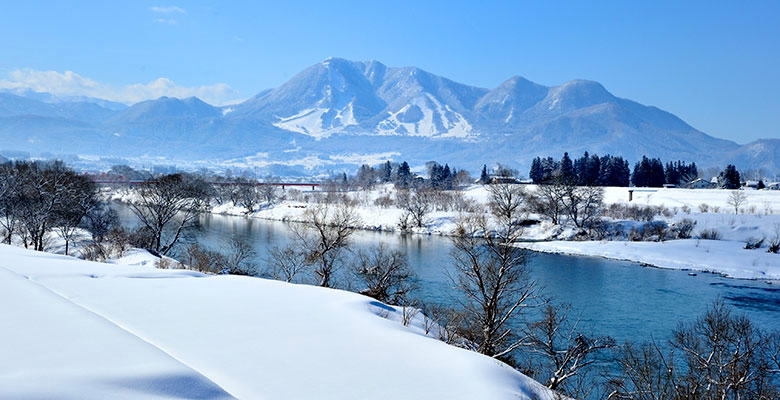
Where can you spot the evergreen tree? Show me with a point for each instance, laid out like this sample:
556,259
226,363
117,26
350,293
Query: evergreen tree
536,174
648,173
386,173
566,167
656,176
580,171
592,170
549,166
404,176
729,178
446,177
483,176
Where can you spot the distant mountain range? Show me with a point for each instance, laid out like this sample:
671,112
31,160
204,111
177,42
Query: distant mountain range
338,114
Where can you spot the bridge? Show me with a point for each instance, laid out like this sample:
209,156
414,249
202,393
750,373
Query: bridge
283,185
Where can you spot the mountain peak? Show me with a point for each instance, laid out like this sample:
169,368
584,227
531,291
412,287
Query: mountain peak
577,93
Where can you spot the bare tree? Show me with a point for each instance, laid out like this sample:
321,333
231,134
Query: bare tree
491,274
583,204
559,352
100,221
268,191
237,260
323,237
385,274
171,202
737,199
50,194
719,356
549,199
287,263
506,201
417,205
10,198
246,193
80,198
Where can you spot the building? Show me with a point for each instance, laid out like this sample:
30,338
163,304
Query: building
701,184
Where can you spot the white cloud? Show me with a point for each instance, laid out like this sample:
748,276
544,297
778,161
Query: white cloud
169,21
69,83
167,10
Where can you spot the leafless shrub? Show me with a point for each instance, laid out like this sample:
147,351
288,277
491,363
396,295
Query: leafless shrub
405,222
704,208
686,209
709,234
632,212
465,205
385,275
683,229
237,260
384,201
441,321
719,356
753,243
655,230
774,244
203,260
407,314
558,352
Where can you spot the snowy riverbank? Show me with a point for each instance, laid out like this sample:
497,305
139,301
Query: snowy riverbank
720,256
78,329
708,208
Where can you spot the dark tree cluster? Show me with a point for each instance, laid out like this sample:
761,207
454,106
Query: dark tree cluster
37,198
439,177
588,170
680,173
442,178
729,178
648,173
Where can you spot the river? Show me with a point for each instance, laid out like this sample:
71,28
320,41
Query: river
621,299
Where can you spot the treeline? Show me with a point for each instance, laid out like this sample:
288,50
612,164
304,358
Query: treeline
592,170
37,198
650,172
588,170
440,177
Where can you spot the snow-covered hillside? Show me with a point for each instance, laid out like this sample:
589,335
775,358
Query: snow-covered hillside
78,329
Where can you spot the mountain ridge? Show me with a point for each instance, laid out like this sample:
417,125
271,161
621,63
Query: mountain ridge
361,111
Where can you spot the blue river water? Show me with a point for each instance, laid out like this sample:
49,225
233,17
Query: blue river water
621,299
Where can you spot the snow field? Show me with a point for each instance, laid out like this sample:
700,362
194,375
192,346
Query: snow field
74,328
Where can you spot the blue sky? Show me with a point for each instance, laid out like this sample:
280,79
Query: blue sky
714,64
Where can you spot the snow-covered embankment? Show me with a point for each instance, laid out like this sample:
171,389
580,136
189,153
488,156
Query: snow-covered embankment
78,329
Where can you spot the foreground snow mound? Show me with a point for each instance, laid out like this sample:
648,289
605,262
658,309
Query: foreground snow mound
79,329
726,257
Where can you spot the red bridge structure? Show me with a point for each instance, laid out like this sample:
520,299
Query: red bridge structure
283,185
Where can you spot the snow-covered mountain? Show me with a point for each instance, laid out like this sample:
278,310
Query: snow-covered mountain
339,113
